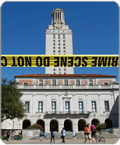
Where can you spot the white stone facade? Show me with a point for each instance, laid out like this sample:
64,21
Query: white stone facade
104,88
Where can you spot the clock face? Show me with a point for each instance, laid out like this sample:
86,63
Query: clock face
58,25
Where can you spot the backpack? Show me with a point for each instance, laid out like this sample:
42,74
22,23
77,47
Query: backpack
53,134
8,133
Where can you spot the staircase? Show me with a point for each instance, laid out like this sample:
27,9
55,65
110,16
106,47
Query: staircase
80,135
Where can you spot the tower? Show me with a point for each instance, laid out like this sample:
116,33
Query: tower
58,41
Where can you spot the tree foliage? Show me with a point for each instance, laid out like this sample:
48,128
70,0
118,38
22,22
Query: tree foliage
12,106
101,126
35,126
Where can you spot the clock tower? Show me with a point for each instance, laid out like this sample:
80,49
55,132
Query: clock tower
58,41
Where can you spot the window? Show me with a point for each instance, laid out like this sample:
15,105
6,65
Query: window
90,82
54,82
63,40
106,84
63,47
53,106
63,43
67,107
54,52
94,106
40,106
40,82
53,47
63,36
66,82
25,84
27,106
80,106
58,40
58,47
106,105
77,82
17,83
53,40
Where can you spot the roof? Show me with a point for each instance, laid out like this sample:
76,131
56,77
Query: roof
65,75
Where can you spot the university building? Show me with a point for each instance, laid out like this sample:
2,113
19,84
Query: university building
59,98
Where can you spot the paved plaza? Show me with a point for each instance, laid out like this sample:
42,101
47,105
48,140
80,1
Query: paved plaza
59,141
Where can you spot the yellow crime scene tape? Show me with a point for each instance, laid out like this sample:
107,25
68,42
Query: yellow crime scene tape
59,60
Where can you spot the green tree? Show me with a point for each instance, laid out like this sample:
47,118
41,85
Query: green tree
101,126
35,126
12,106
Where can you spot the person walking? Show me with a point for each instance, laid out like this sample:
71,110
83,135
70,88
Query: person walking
63,134
45,135
93,129
74,135
8,135
52,136
87,132
41,133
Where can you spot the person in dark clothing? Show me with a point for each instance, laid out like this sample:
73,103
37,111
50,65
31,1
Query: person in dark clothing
93,128
52,136
63,134
8,135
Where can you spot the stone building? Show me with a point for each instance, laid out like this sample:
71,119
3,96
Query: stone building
61,98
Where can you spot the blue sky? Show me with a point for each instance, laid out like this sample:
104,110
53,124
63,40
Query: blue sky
94,26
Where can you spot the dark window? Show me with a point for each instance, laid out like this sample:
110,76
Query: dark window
27,106
80,106
94,106
106,105
67,107
40,106
53,106
54,82
40,82
77,82
106,84
25,84
66,82
90,82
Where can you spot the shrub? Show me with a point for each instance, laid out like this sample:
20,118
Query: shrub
101,126
109,131
35,126
4,137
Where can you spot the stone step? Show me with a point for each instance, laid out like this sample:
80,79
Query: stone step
80,135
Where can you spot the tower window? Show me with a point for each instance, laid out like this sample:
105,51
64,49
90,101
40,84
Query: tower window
63,40
58,40
53,40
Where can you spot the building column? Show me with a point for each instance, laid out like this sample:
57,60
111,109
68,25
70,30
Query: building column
61,125
47,126
75,125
